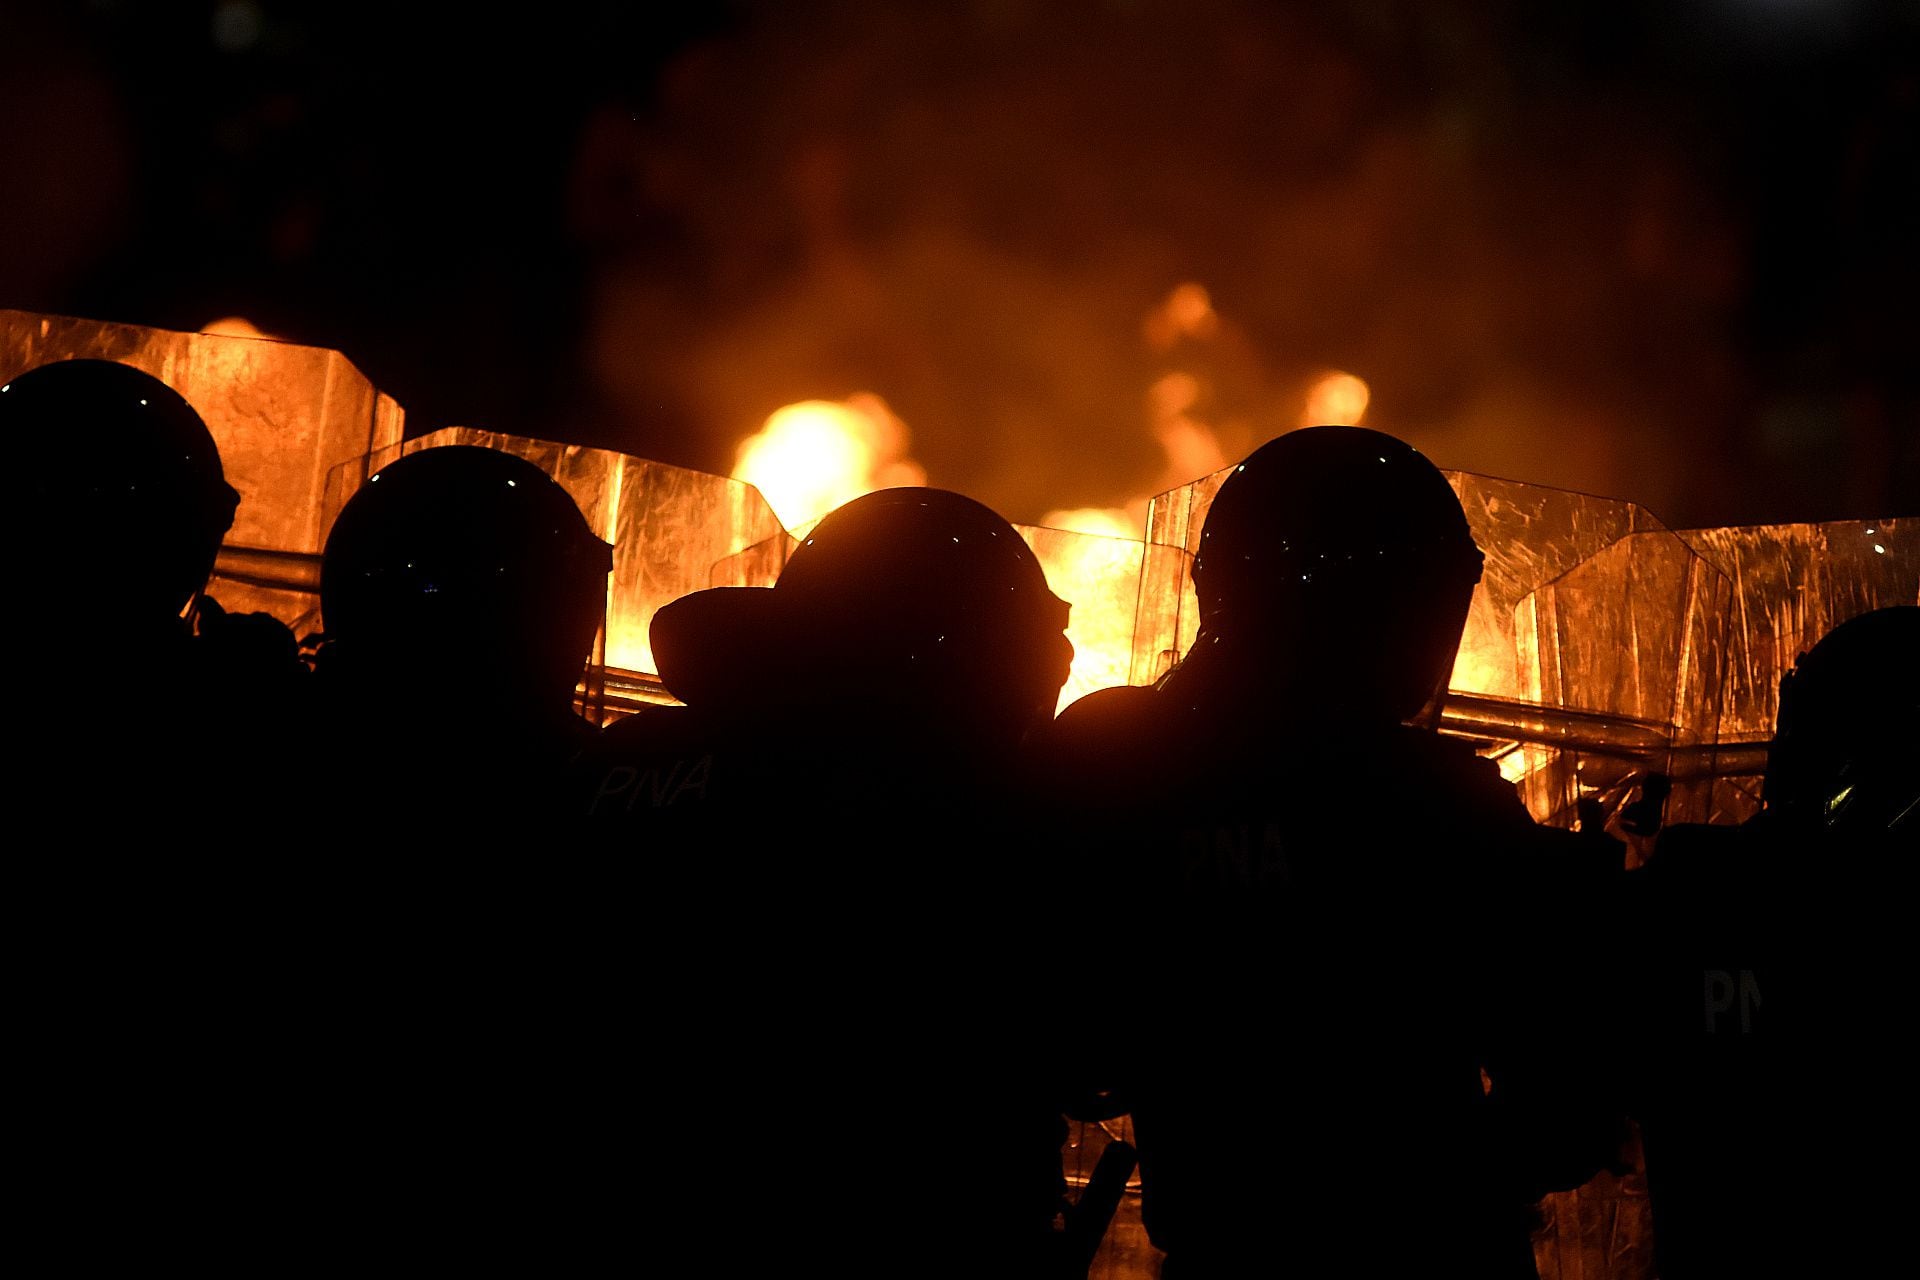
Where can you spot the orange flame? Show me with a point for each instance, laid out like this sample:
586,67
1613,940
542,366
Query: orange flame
234,327
1336,399
1100,577
1187,312
814,456
1175,414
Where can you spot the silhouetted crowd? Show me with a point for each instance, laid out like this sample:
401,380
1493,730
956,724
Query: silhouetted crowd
371,953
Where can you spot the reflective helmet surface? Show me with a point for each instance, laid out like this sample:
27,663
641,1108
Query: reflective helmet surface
1325,507
461,555
135,511
1341,548
913,565
1843,756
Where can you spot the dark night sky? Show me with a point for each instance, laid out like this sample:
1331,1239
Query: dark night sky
1664,250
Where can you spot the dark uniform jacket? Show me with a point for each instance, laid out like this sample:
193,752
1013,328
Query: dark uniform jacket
1352,1027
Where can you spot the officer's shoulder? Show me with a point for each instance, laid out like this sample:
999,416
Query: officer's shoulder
1465,777
651,727
648,737
1104,737
1103,722
1694,850
1116,705
242,654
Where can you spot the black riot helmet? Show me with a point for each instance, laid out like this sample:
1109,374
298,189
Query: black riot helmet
127,522
914,600
468,561
1844,758
1336,562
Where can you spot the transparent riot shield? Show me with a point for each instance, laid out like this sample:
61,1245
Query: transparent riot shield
1604,650
286,418
1792,583
1643,604
1771,593
670,528
1623,657
675,530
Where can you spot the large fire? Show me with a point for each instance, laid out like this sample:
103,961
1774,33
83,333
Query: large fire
815,455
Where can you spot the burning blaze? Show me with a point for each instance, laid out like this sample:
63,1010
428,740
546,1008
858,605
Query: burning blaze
816,455
1336,399
1100,578
1190,444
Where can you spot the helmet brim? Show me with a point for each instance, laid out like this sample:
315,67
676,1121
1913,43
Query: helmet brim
709,642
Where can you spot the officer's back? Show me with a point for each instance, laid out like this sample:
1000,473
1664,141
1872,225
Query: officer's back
453,1003
1328,902
153,738
461,589
847,963
129,716
1766,1028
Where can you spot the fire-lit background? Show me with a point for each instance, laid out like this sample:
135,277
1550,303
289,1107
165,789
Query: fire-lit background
1054,255
1063,257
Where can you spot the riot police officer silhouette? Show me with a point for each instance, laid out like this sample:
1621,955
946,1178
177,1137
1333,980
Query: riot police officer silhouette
461,589
1841,767
830,835
914,620
118,534
1327,1073
1767,995
150,747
